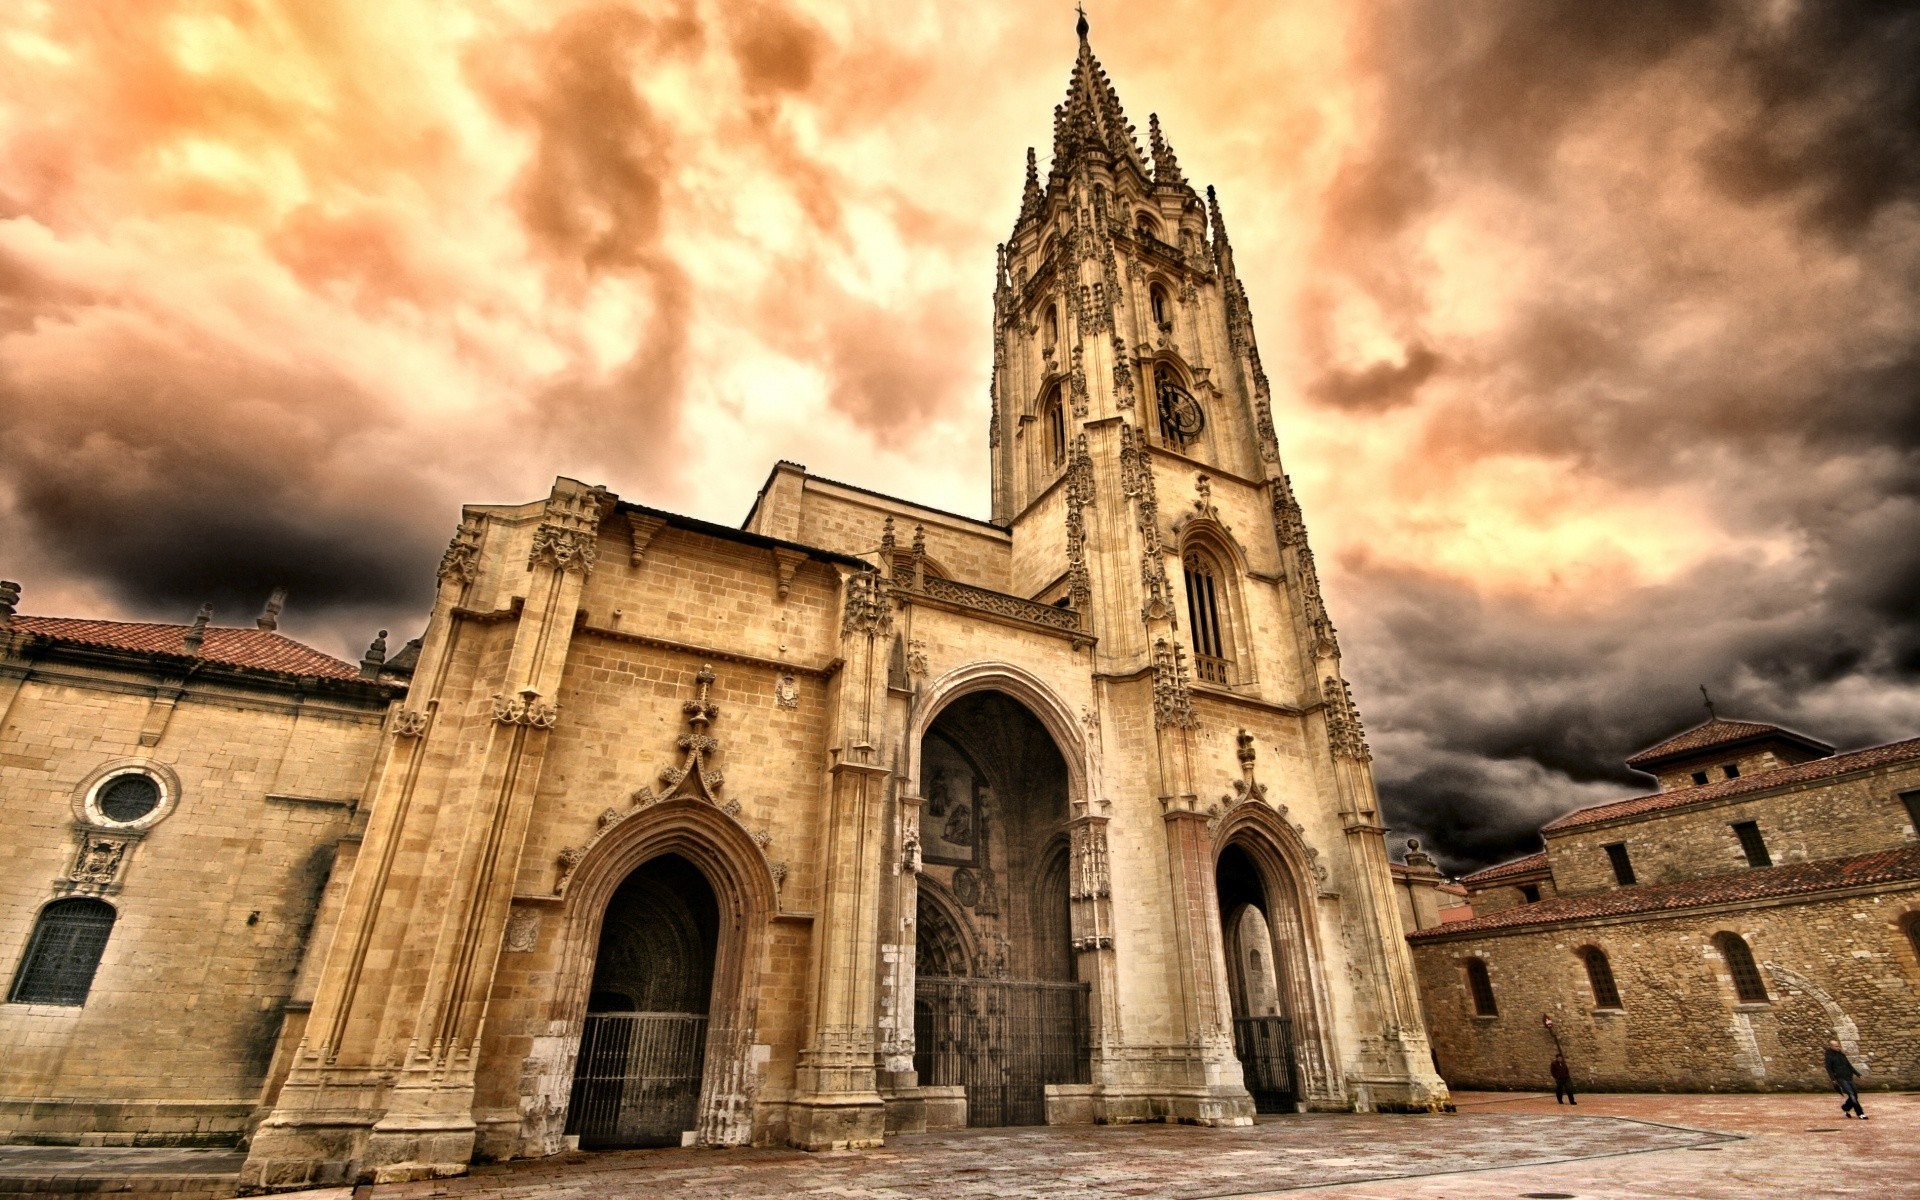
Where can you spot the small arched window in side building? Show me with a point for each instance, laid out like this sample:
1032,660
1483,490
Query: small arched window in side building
1481,985
1600,977
63,953
1747,983
1162,307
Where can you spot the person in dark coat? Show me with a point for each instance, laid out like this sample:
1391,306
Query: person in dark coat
1842,1071
1562,1081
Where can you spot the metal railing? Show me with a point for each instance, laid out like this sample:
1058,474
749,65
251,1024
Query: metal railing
1264,1046
1003,1040
637,1079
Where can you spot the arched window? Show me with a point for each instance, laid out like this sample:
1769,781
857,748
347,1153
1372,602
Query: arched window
1054,413
1911,923
63,953
1747,983
1481,985
1181,418
1162,307
1600,977
1147,224
1207,617
1050,328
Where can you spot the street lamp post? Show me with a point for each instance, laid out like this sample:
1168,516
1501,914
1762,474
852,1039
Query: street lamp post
1548,1022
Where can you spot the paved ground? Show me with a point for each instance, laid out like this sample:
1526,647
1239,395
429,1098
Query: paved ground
1498,1145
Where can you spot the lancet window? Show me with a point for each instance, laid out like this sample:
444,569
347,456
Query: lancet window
1053,414
1208,617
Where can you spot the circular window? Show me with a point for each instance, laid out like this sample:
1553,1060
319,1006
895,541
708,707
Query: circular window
127,798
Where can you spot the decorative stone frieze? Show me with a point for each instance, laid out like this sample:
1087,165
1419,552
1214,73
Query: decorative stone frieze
563,549
408,723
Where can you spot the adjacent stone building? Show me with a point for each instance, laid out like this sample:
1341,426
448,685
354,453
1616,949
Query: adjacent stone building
862,817
177,799
1712,935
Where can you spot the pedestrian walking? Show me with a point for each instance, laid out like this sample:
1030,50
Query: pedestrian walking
1842,1071
1562,1081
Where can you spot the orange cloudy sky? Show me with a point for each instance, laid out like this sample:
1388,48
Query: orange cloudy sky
1595,329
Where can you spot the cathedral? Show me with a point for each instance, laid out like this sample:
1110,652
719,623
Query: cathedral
860,818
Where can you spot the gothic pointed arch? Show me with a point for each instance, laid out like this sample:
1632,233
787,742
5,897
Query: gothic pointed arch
944,940
1263,859
746,895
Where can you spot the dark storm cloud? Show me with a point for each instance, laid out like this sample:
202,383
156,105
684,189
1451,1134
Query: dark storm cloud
1794,410
172,473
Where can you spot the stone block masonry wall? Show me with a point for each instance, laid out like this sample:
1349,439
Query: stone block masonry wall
1840,967
1826,819
214,903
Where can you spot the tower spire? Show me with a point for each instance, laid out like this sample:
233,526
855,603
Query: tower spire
1081,25
1091,120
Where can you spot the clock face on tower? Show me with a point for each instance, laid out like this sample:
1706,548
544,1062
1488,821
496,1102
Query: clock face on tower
1181,417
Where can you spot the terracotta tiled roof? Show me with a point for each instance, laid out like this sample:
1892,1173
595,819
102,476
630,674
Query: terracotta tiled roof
1506,870
1793,879
1717,732
254,648
1819,768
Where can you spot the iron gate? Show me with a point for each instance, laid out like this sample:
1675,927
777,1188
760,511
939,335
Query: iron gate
1264,1046
637,1079
1003,1040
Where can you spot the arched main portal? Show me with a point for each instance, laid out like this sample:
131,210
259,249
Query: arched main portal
643,1044
1257,975
997,1010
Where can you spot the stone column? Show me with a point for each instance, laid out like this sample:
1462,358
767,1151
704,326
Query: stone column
381,1088
837,1103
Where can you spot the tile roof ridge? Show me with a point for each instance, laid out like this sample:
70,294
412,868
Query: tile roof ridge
1895,864
1758,781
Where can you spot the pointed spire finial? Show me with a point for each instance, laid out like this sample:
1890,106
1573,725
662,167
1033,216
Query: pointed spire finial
1166,167
269,618
197,633
1081,25
1711,715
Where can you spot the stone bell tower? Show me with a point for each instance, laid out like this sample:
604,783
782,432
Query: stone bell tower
1136,465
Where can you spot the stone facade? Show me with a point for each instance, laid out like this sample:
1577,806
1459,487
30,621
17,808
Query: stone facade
1822,890
1090,766
215,892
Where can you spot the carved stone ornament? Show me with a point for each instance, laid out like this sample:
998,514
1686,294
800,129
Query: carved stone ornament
1172,694
525,709
1136,480
96,866
786,690
409,724
1079,494
1344,731
461,562
868,607
694,778
917,658
523,931
1091,873
564,549
641,528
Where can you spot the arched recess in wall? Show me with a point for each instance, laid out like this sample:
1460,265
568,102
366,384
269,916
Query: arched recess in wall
1262,861
1023,686
745,899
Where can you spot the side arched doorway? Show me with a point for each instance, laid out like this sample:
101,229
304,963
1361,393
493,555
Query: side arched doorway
1258,969
643,1043
997,1009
